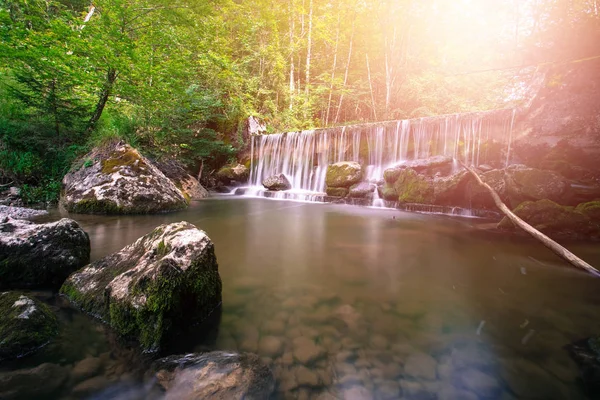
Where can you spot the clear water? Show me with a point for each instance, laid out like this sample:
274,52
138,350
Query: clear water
361,303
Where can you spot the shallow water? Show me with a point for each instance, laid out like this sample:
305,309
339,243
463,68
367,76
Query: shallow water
360,303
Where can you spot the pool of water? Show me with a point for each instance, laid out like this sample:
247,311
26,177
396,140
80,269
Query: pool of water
358,303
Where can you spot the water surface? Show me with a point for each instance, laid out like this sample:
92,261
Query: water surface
362,303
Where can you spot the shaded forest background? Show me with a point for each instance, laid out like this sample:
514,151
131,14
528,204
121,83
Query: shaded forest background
178,78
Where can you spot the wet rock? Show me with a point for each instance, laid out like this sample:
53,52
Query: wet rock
277,183
479,197
449,392
86,368
270,346
590,209
26,324
40,255
215,375
343,174
356,393
337,192
362,190
478,382
20,212
40,382
553,219
586,354
189,186
420,366
438,165
413,187
523,183
166,280
233,174
306,351
117,179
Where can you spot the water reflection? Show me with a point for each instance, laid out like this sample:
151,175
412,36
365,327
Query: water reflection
360,303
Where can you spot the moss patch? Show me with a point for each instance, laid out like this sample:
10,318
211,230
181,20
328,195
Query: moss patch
337,192
129,158
343,174
413,188
26,324
591,209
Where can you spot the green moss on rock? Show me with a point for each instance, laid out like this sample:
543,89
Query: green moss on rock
26,324
343,174
336,192
413,188
552,219
166,280
591,209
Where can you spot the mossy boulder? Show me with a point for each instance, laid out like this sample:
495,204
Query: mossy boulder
189,186
553,219
26,324
343,174
432,166
277,183
336,192
216,375
451,190
523,183
413,187
42,382
37,256
165,281
479,197
388,192
362,190
590,209
117,179
233,174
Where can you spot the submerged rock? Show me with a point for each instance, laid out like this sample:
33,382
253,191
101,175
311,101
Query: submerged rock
117,179
277,183
586,354
167,279
20,212
343,174
189,186
40,255
215,375
232,174
553,219
40,382
26,324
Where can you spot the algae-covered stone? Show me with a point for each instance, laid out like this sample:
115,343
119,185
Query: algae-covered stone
336,192
216,375
413,187
26,324
117,179
450,190
591,209
189,186
479,197
343,174
552,219
41,382
234,173
166,280
525,183
277,182
40,255
388,192
425,166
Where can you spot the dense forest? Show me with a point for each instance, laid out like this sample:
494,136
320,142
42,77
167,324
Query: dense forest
178,78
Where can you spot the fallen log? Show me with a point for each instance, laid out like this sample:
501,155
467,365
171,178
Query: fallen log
546,241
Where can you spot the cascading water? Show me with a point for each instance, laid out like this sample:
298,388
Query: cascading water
473,138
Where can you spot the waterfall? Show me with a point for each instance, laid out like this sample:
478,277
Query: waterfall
473,138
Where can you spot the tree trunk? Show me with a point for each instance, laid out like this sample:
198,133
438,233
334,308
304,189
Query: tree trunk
337,41
371,87
292,26
546,241
111,77
309,44
339,108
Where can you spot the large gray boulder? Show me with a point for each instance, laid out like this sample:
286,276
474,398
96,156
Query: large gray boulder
117,179
40,255
277,183
343,174
166,280
233,174
25,325
189,186
216,375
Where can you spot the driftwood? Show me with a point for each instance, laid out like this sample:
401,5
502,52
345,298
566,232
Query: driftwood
546,241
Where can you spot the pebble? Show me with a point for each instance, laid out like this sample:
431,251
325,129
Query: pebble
478,382
270,346
90,386
421,366
449,392
306,351
356,393
306,377
86,368
274,327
